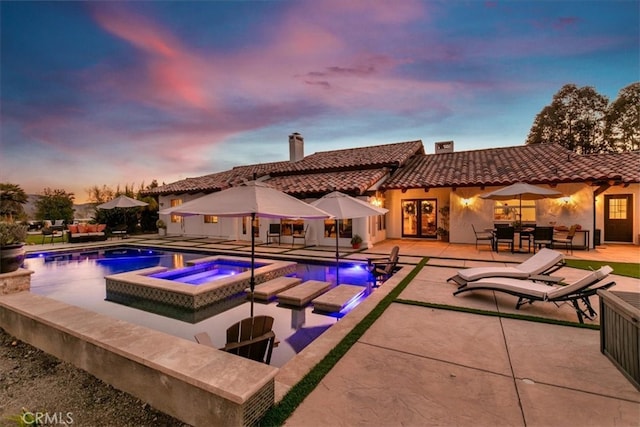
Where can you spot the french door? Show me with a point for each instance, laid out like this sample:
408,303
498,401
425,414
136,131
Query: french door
419,218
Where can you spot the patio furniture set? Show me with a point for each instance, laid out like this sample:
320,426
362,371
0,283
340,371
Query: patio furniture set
536,237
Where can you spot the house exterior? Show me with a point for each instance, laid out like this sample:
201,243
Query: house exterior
601,192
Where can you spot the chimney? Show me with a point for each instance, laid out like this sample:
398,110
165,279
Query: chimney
296,147
444,147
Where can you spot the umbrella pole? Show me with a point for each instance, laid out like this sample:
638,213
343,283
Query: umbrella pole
337,255
252,281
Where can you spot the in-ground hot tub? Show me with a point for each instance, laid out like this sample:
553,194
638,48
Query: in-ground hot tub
212,282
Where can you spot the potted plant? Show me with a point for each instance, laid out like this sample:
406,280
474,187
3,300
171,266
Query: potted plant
443,230
356,240
12,238
162,227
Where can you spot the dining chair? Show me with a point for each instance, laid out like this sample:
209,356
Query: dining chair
567,241
300,234
483,236
505,235
542,236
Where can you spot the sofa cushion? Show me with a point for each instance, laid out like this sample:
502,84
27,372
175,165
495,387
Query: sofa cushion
72,228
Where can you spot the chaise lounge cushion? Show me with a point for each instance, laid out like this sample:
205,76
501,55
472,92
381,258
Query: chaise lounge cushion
536,264
538,290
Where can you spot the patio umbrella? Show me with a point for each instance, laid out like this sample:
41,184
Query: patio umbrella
255,199
521,191
122,202
343,206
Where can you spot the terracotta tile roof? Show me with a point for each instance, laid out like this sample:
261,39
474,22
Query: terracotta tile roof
355,170
374,157
623,167
353,182
314,174
535,164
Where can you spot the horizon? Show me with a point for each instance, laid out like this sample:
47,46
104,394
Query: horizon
170,90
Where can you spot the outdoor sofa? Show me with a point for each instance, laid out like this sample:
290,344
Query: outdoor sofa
86,232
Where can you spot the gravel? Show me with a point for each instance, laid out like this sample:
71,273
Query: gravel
36,382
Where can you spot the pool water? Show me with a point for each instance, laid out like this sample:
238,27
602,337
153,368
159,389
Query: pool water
206,272
77,278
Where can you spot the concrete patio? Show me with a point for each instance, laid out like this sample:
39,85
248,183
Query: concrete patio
429,366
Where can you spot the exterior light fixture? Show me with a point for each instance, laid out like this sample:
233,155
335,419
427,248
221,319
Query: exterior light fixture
466,202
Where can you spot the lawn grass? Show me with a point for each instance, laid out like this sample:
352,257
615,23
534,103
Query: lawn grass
36,239
628,269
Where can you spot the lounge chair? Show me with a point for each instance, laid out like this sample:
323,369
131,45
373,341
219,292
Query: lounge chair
537,267
383,268
252,338
529,291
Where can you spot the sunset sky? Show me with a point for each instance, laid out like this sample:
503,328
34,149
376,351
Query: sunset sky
121,93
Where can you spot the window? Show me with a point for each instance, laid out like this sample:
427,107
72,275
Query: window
210,219
617,208
344,227
174,203
291,226
246,220
509,210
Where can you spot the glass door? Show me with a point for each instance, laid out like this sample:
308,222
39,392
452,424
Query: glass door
419,218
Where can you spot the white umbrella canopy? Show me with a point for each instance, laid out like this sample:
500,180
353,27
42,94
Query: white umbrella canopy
343,206
122,202
253,199
523,191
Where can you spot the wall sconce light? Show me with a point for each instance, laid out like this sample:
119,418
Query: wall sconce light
466,202
376,201
565,200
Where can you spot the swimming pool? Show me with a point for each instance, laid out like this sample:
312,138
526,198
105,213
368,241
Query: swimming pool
77,278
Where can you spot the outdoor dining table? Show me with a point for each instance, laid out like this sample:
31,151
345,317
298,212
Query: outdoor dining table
521,232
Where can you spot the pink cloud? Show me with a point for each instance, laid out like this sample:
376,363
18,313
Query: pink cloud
172,72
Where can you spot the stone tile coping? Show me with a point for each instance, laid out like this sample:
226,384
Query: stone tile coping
338,298
267,290
302,294
214,385
142,277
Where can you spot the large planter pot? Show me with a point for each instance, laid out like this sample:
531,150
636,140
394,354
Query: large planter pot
11,257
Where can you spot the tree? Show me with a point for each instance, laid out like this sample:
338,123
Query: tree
575,119
623,120
55,204
99,195
12,199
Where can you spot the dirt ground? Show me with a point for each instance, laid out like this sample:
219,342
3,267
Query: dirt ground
36,382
